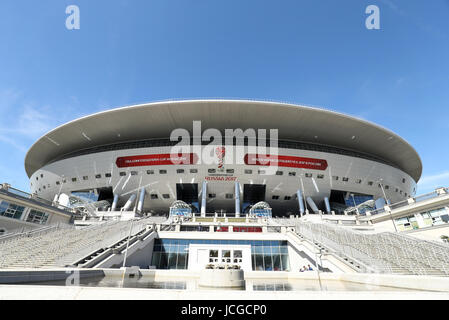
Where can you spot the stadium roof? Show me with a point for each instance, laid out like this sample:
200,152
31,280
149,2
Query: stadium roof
157,120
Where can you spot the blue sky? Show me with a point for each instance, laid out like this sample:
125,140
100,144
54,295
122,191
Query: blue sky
308,52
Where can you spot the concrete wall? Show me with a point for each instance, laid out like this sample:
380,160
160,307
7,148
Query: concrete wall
430,233
29,276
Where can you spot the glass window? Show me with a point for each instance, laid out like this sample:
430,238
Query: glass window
308,175
229,196
98,176
122,174
285,262
237,253
320,176
292,174
275,197
229,170
162,171
287,198
11,210
150,171
268,262
258,249
166,196
226,253
108,175
73,179
179,170
247,171
172,260
193,170
279,173
345,179
211,170
277,262
182,260
134,173
3,207
259,262
213,253
37,217
154,196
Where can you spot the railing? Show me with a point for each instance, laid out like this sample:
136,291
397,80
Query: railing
384,252
110,237
8,189
34,233
403,203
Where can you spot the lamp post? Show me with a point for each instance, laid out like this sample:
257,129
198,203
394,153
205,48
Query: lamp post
126,252
388,203
318,267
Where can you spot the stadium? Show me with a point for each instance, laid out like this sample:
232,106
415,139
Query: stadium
196,198
123,156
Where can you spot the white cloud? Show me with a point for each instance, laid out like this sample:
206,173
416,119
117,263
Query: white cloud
23,121
430,182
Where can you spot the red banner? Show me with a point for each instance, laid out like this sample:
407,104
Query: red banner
156,160
285,161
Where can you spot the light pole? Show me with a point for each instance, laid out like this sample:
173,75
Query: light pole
126,251
318,268
388,203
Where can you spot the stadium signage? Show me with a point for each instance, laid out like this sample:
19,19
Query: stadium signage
156,160
285,161
220,178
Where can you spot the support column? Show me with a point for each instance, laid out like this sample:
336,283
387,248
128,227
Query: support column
141,200
312,204
237,199
129,202
300,202
327,205
203,199
114,203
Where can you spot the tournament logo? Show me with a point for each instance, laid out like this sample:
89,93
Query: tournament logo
220,152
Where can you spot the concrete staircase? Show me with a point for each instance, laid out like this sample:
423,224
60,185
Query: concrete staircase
383,252
64,245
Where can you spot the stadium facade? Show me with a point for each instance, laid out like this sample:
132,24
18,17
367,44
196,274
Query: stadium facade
124,157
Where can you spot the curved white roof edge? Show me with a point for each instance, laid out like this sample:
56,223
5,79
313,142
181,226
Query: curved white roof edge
329,111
